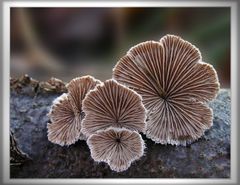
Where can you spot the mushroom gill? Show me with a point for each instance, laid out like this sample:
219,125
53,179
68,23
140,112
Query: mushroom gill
118,147
111,104
77,90
175,85
66,112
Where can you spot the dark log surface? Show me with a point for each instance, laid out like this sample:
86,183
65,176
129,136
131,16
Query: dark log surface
209,157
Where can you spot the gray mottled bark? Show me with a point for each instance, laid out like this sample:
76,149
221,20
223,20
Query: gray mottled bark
209,157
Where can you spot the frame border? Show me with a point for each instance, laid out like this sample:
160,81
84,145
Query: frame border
5,94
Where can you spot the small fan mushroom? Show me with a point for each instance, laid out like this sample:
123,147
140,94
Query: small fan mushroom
111,104
175,85
118,147
66,112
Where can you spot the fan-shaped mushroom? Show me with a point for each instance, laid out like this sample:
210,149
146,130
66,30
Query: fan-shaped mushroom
175,86
118,147
66,112
112,104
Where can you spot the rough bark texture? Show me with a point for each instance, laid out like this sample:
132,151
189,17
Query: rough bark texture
209,157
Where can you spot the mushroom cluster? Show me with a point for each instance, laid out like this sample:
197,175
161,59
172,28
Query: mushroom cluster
160,89
175,85
114,117
109,111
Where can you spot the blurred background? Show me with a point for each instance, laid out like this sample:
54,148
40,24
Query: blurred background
68,42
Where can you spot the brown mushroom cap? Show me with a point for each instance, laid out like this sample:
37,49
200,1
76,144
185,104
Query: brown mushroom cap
175,85
66,112
64,128
112,104
78,88
118,147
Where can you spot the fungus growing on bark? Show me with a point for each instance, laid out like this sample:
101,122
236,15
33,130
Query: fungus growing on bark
118,147
175,85
111,104
77,90
66,112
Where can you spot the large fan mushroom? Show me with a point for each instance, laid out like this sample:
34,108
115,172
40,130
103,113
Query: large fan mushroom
175,85
66,112
111,104
118,147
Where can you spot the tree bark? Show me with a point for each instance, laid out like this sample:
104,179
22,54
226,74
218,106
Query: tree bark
30,101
